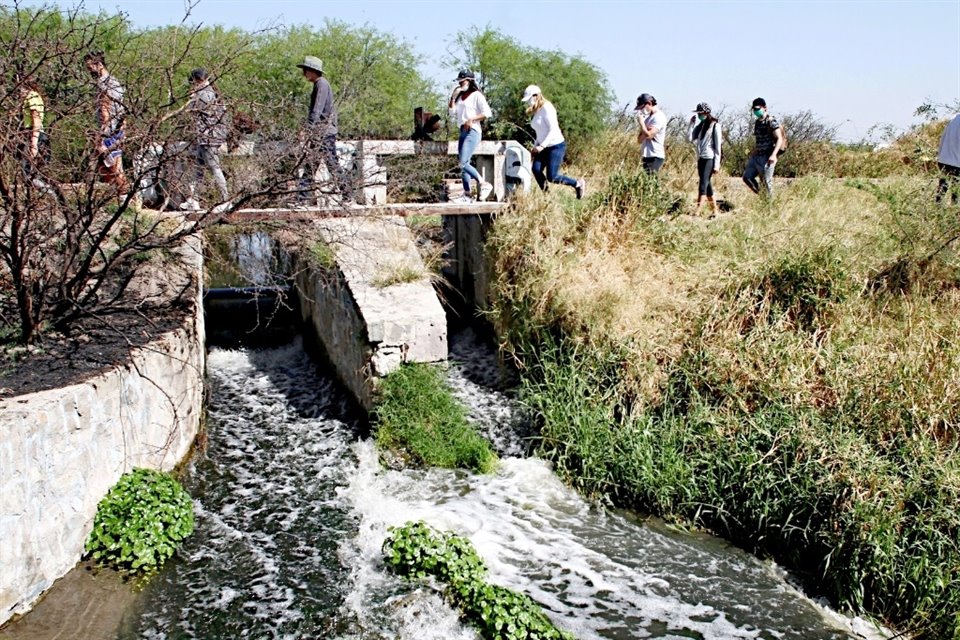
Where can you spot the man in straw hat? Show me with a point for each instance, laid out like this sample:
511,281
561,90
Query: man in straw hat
321,135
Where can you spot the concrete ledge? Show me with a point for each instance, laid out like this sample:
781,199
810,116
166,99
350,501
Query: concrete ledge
62,449
377,308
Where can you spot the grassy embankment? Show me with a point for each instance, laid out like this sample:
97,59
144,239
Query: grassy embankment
786,375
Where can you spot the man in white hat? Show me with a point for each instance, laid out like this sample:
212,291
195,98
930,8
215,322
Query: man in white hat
321,135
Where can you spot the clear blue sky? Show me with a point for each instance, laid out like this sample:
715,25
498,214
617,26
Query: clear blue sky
854,63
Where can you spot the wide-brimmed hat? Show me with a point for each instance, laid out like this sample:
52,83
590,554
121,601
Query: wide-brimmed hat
313,63
531,91
702,107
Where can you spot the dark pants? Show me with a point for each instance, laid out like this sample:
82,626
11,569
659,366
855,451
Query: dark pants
705,171
653,165
33,165
326,148
206,157
948,175
546,166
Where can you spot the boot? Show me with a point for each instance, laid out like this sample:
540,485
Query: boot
713,206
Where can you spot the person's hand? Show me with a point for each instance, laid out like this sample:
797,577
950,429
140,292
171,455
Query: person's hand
34,150
772,160
693,118
715,171
536,150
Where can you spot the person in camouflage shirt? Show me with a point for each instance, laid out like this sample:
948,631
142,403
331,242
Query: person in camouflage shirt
769,140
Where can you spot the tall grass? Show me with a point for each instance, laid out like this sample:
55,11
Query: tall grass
418,418
787,376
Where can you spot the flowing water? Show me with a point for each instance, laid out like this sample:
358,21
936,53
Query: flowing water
293,507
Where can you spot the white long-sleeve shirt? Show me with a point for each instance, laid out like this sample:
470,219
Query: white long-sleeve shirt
475,105
545,124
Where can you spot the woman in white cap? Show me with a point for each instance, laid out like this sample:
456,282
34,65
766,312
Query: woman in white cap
652,124
704,132
469,106
550,145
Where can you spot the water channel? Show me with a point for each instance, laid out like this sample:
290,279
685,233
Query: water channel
293,507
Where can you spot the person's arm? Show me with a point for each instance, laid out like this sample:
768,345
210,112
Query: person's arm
717,144
691,127
552,130
778,142
37,123
322,102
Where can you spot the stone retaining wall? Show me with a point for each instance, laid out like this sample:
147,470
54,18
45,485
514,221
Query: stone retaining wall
61,450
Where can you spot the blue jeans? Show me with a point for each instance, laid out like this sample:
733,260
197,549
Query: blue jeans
756,166
466,145
550,158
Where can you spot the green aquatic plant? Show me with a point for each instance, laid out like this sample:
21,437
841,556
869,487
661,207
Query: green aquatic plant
140,522
420,552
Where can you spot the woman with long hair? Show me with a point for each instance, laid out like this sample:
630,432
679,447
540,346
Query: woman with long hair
550,146
469,107
704,132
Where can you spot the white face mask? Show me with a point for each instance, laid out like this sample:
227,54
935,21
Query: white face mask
644,112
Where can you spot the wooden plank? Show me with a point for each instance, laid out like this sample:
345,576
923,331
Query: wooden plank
392,209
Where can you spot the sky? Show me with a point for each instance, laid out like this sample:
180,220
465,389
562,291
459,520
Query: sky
854,63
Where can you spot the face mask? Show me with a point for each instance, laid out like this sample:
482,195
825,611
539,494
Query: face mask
701,117
758,113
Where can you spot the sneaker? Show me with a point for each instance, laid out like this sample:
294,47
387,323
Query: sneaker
223,207
190,204
463,199
580,187
485,190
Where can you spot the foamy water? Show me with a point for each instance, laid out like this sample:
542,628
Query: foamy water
292,511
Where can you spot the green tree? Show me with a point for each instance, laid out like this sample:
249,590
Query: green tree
576,87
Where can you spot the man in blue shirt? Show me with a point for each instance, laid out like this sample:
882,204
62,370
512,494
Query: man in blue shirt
321,135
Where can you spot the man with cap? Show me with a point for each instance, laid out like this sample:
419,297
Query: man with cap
321,135
769,141
653,125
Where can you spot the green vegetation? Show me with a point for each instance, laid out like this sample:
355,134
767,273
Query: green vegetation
418,417
787,376
419,552
140,522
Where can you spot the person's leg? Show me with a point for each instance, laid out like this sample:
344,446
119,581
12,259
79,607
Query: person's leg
210,157
948,177
329,149
305,186
554,159
702,164
470,140
538,171
750,174
768,170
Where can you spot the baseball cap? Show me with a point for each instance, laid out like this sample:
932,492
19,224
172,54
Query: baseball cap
531,91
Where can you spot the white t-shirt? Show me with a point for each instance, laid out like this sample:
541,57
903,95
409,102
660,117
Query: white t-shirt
545,124
475,105
950,143
653,147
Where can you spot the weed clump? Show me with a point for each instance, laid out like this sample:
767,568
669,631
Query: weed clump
417,551
140,522
418,417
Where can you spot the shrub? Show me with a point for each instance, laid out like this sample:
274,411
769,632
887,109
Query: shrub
418,416
417,551
140,522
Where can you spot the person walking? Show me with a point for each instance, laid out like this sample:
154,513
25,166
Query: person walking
320,137
211,122
948,159
704,132
33,146
110,115
769,140
469,107
550,146
653,126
